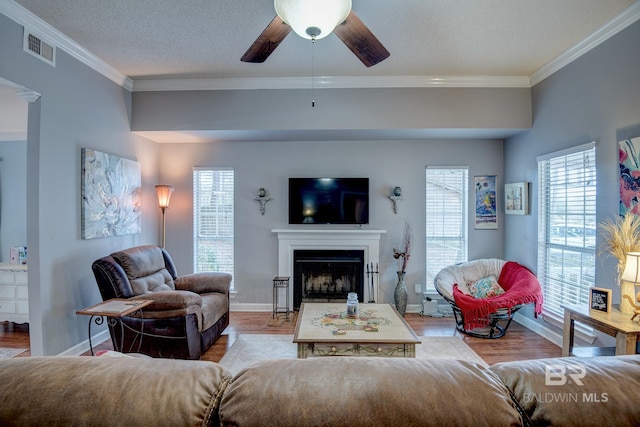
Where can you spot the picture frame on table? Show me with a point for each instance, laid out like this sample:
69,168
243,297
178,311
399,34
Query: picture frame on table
600,300
516,198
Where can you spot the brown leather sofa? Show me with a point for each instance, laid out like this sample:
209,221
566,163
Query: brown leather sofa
188,312
332,391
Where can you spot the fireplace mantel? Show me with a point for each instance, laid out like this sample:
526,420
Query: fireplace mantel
368,240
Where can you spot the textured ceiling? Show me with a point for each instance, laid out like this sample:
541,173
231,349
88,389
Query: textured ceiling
206,38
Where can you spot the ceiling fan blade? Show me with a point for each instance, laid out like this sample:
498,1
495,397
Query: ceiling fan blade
361,41
267,42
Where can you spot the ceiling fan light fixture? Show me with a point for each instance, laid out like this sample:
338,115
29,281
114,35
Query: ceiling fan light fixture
313,19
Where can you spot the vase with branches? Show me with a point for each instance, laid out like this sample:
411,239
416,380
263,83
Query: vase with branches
403,254
621,235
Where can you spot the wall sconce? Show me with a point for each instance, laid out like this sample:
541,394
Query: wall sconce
263,198
631,275
396,196
164,196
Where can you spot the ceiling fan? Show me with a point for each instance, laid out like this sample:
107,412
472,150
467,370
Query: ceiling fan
315,19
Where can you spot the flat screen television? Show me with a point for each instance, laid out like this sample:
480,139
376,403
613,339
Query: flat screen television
328,200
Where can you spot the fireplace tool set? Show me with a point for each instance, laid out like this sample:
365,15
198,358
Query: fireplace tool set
371,274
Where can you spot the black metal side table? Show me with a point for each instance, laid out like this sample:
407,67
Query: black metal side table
280,282
114,310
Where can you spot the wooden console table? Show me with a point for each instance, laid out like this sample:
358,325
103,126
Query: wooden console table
615,324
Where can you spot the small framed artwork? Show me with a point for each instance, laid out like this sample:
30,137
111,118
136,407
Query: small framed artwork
485,198
516,198
628,170
600,300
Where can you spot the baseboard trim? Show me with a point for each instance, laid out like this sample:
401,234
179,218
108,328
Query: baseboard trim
538,328
414,308
250,307
83,346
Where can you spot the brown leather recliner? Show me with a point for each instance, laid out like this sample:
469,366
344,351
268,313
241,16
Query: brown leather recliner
187,315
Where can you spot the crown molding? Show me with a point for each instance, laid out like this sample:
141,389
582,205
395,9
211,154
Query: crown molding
328,82
28,95
627,17
22,16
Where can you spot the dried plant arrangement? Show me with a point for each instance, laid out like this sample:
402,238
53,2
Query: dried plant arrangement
621,235
404,253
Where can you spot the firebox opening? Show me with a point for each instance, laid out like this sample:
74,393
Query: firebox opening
327,275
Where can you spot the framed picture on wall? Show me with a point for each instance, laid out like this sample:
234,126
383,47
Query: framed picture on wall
486,202
516,198
629,171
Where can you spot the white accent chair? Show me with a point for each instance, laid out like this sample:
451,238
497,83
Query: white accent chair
463,274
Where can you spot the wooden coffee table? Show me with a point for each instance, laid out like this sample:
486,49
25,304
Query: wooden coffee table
323,329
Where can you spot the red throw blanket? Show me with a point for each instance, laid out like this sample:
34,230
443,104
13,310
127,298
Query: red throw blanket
520,285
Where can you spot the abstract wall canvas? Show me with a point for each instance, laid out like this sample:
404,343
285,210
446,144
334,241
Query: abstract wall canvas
111,195
629,165
486,209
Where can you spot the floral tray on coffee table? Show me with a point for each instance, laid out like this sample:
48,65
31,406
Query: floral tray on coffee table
336,318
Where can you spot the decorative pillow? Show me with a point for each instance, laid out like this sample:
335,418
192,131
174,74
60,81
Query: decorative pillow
485,288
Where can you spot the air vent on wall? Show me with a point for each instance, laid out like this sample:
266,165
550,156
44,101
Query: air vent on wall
39,48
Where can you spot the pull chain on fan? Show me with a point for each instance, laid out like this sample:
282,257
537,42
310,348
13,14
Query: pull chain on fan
313,72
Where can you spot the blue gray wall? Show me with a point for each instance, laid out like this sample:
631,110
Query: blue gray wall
78,108
13,196
269,164
357,111
351,133
595,98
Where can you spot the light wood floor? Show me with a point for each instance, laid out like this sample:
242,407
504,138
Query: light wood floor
518,344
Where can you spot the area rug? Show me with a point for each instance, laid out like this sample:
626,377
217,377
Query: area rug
7,353
250,348
282,320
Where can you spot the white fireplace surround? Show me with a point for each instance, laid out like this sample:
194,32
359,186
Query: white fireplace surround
366,240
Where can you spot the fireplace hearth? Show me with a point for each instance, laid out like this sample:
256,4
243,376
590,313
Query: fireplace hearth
326,239
327,275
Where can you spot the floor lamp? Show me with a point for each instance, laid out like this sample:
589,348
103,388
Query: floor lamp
164,195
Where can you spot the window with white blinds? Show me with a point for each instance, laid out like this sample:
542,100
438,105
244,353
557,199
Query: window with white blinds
447,193
567,227
213,220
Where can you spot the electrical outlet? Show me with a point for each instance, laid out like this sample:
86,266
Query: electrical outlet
418,288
